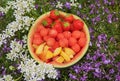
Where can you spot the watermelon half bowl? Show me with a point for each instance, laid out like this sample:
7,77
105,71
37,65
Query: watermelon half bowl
65,64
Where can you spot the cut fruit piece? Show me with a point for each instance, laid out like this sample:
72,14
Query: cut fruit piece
35,46
69,52
57,51
42,56
49,54
46,48
76,48
65,56
40,48
59,59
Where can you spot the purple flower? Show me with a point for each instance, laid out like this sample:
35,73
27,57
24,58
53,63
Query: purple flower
105,1
67,5
72,76
117,77
106,61
80,6
1,14
111,71
109,18
36,6
98,18
106,10
102,38
78,12
83,78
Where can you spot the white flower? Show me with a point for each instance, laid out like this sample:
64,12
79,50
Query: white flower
33,71
16,47
7,78
59,5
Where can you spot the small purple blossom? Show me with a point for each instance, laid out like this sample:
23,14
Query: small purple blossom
106,61
105,1
80,6
1,14
68,5
109,18
36,6
83,78
72,76
111,71
106,10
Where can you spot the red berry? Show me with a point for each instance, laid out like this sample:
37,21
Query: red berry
36,35
69,18
39,27
45,38
82,34
76,34
82,42
56,45
76,48
54,14
37,41
63,42
66,26
78,24
44,32
67,34
53,33
47,22
72,41
50,42
58,27
58,21
60,36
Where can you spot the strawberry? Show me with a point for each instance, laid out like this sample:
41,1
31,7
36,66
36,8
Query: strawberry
50,42
63,42
72,41
54,14
67,34
60,36
36,35
37,41
58,27
82,34
78,24
53,33
58,21
45,38
69,18
56,45
76,34
66,26
82,42
44,32
47,22
76,48
39,27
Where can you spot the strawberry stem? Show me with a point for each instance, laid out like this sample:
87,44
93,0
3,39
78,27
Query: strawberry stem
44,23
57,13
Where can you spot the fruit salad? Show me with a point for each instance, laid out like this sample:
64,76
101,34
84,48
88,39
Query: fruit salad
58,38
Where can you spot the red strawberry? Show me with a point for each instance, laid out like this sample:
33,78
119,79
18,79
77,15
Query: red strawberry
47,22
63,42
45,38
69,18
67,34
58,21
53,33
76,48
78,24
44,32
66,26
76,34
50,42
72,41
82,34
37,41
58,27
36,35
82,42
60,36
39,27
54,14
56,45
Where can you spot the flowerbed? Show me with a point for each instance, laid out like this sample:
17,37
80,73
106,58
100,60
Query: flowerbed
100,63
